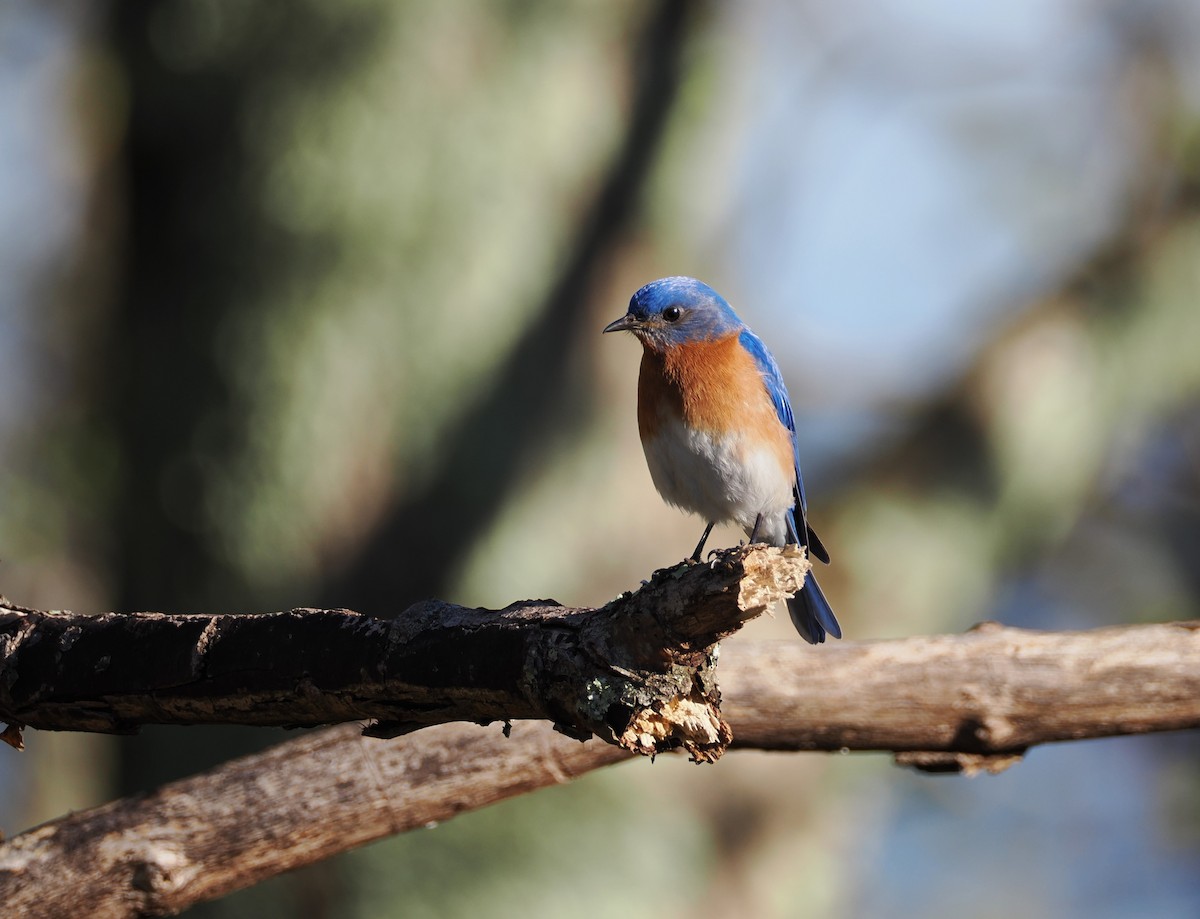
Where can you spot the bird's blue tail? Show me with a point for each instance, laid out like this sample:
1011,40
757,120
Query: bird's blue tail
811,613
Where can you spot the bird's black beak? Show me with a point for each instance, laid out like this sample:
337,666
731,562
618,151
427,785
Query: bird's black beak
626,323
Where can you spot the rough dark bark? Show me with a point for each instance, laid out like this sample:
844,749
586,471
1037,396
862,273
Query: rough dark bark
637,672
968,701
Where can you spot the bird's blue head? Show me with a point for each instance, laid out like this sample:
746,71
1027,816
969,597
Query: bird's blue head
674,311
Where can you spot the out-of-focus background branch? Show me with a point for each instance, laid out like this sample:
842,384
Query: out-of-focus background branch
282,279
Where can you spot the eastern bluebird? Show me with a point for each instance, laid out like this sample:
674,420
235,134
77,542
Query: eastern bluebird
717,428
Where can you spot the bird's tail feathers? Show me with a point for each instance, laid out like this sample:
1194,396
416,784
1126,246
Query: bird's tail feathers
811,542
811,613
816,548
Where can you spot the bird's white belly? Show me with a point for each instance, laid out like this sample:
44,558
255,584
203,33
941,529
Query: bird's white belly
723,479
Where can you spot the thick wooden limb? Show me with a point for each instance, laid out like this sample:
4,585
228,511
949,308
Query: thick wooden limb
638,672
973,700
965,702
252,818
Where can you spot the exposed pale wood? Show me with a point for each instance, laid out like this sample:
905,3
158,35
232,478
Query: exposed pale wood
637,672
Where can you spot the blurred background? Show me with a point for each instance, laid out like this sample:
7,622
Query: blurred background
300,304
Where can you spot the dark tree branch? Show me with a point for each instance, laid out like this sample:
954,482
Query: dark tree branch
638,672
973,700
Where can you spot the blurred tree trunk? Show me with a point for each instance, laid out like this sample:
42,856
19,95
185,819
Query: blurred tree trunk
200,252
197,251
505,427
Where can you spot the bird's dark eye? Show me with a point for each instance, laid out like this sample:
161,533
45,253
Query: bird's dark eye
672,313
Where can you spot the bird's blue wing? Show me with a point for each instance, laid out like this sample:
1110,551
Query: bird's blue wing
773,380
809,610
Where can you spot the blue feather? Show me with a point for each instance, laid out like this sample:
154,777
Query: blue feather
773,380
776,389
811,614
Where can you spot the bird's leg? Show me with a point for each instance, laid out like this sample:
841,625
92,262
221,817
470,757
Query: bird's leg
700,544
754,532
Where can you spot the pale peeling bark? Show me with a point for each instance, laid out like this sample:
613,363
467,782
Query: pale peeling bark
637,672
965,702
973,701
261,815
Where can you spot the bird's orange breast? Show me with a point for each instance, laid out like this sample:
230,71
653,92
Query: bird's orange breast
712,386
